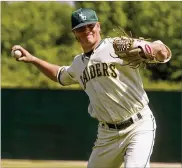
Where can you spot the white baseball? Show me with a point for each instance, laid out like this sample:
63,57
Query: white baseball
16,54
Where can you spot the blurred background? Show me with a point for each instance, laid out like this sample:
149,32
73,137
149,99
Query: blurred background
42,120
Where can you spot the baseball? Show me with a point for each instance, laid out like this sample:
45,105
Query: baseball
16,54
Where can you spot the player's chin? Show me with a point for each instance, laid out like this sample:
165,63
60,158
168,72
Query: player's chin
88,41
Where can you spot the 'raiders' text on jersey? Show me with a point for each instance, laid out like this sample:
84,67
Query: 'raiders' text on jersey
97,70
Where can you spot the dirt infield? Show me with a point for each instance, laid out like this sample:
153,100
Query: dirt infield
65,164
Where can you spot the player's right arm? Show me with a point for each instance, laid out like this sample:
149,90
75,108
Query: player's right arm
54,72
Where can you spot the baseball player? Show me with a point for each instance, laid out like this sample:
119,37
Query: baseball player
126,129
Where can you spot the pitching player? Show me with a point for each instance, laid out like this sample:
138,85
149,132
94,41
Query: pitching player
126,129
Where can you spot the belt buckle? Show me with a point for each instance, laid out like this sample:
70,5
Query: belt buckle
115,126
119,126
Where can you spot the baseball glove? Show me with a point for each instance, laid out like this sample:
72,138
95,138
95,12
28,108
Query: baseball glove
133,52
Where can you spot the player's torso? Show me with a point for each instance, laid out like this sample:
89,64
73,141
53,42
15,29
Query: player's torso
115,91
101,65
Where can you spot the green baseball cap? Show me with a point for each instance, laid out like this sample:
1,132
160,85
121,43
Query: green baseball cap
82,17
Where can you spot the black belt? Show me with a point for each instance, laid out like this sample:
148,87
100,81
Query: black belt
124,124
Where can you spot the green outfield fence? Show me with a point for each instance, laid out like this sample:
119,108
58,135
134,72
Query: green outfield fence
54,124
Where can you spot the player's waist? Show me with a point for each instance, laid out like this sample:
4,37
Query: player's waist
129,121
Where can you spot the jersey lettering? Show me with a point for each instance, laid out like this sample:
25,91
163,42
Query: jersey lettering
97,70
105,69
92,71
85,79
112,67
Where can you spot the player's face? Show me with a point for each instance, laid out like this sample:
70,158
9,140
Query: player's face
88,35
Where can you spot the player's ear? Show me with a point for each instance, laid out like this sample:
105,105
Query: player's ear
98,26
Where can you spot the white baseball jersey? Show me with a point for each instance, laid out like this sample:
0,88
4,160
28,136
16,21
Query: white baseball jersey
115,90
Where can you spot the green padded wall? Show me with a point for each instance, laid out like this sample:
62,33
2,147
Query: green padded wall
55,124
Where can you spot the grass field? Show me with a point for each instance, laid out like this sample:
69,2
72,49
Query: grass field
66,164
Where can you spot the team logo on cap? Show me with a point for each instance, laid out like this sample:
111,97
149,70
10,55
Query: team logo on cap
83,17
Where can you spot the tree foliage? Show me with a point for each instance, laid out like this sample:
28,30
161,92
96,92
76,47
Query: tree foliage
44,28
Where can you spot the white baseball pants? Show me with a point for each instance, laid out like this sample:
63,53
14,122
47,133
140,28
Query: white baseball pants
131,147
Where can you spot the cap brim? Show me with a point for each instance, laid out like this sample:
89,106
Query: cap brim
83,24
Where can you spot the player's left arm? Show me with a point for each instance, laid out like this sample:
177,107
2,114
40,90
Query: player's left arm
136,51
